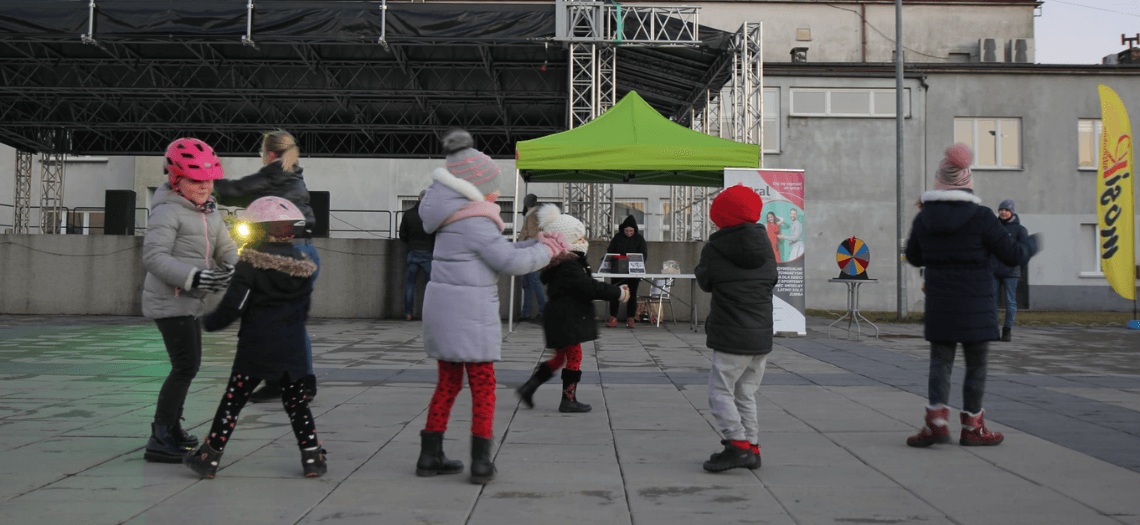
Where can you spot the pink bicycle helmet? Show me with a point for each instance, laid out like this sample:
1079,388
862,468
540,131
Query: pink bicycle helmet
191,158
272,209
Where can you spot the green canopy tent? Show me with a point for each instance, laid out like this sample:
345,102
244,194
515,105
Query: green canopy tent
632,143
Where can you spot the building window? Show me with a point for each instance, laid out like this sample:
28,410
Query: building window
771,120
1088,140
873,103
626,207
85,222
1090,254
996,142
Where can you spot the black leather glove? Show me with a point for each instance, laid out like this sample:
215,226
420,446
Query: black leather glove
214,280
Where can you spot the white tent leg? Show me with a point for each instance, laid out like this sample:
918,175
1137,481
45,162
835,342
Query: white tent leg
514,238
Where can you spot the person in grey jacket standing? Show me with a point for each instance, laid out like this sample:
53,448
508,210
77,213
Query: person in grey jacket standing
1006,276
187,253
462,325
739,267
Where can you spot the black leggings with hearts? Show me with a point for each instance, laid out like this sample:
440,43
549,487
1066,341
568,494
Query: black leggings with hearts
295,396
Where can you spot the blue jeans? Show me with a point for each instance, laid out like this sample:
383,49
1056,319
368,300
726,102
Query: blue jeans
531,284
1009,284
942,365
418,260
305,246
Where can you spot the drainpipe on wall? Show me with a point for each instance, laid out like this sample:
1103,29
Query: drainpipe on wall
863,32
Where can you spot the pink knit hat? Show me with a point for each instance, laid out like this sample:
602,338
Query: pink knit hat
954,170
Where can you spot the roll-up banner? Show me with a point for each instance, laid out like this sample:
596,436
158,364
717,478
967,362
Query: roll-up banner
1115,201
783,215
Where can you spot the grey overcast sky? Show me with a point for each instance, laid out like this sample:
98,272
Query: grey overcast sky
1083,31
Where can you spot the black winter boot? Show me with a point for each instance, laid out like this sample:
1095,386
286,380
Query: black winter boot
570,402
1006,333
432,459
204,461
269,392
731,457
182,437
313,461
482,469
527,390
163,446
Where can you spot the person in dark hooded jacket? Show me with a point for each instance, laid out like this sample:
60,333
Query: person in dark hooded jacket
626,241
1006,276
570,321
739,267
954,237
271,293
280,176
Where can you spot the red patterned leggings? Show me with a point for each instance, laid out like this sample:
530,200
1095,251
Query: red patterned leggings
571,355
481,378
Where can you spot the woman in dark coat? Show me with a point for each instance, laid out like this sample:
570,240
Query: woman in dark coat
569,318
627,241
953,237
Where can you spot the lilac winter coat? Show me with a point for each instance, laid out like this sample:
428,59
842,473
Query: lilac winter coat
461,304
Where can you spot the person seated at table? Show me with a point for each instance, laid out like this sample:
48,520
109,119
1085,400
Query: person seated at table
625,242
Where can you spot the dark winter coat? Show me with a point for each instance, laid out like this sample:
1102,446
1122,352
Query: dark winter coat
739,267
1019,234
569,315
271,181
626,245
270,293
954,237
412,231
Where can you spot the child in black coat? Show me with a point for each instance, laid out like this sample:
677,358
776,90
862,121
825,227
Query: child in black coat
270,293
568,320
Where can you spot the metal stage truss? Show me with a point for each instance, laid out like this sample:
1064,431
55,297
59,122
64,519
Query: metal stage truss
349,79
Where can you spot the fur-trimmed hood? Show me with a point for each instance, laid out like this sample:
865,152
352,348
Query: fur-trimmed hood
947,210
450,199
262,260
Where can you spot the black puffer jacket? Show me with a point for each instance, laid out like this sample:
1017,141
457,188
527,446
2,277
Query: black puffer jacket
954,237
627,245
1019,234
739,268
412,231
270,293
569,314
271,181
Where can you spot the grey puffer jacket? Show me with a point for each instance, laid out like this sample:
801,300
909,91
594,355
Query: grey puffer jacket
180,240
461,304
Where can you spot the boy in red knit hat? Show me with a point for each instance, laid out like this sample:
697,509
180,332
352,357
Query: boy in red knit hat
739,268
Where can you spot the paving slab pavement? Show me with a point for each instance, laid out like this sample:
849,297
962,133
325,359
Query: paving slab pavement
77,394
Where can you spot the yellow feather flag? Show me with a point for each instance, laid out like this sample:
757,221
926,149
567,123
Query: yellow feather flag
1115,201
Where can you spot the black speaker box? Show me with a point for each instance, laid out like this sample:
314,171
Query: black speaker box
319,201
119,212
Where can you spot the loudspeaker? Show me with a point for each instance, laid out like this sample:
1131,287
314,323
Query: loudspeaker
119,212
319,201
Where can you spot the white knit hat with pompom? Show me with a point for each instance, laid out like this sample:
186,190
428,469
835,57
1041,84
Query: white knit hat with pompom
551,219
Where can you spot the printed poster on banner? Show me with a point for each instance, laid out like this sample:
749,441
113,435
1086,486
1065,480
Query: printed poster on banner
783,216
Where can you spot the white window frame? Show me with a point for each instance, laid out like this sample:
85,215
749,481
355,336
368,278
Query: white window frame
641,228
997,142
84,158
827,112
1098,131
1099,273
771,118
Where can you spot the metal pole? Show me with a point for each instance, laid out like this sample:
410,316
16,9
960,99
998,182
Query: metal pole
900,206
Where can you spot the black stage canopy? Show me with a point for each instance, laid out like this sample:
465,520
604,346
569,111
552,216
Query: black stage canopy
145,72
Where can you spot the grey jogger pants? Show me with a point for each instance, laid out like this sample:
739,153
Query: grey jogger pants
733,382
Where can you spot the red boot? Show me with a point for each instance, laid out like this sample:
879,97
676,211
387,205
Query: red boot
975,433
935,430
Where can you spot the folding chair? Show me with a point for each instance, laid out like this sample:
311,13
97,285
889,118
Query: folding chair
659,296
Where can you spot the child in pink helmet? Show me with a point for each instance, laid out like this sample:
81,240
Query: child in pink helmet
187,254
270,293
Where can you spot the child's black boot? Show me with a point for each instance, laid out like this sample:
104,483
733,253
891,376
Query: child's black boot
203,461
482,469
570,402
432,459
163,446
313,461
736,454
527,390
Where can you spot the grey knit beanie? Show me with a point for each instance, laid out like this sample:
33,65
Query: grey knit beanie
468,163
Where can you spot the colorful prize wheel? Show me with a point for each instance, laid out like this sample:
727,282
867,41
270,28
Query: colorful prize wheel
853,257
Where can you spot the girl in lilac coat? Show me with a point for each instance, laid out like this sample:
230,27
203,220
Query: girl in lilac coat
462,327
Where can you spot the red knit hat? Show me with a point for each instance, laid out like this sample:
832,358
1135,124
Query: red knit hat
736,205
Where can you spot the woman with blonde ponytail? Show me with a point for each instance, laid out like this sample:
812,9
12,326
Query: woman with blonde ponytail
280,176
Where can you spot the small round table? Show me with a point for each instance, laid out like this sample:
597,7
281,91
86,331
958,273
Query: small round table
853,315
